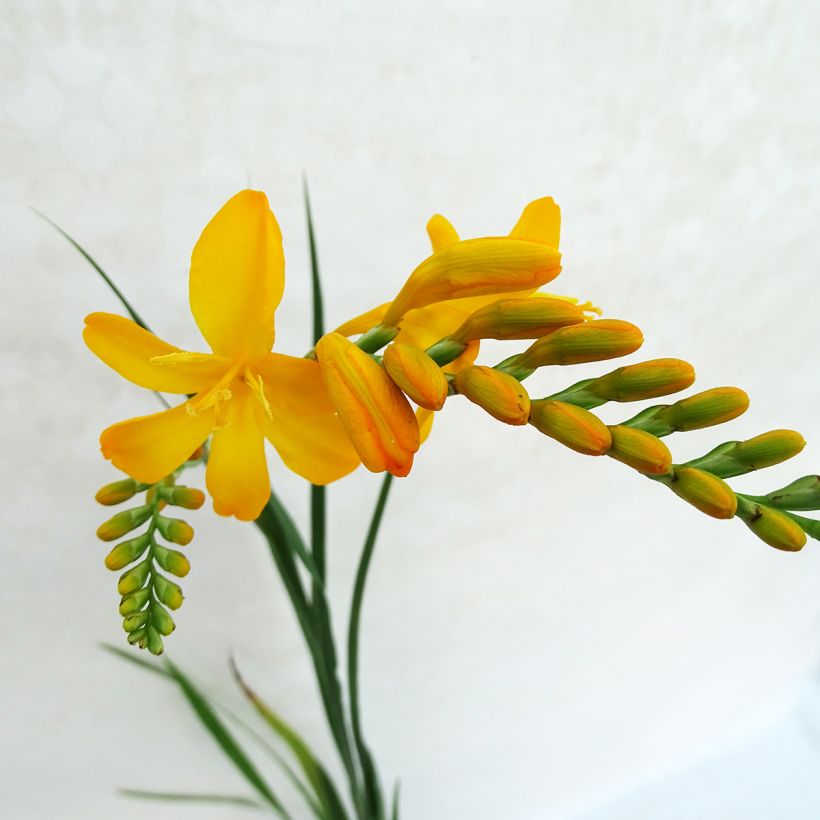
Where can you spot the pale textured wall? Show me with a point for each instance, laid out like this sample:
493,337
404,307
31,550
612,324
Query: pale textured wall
540,628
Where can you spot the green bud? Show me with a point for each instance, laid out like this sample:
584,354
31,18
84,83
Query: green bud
134,578
124,522
161,619
706,409
168,592
154,641
645,380
739,457
134,621
803,494
134,602
139,637
127,552
187,497
175,530
172,561
117,492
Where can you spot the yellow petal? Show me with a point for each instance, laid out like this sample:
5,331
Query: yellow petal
237,277
376,415
539,222
148,448
133,352
364,321
441,232
304,427
475,267
237,474
425,420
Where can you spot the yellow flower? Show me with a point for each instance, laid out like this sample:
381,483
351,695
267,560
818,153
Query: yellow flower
242,392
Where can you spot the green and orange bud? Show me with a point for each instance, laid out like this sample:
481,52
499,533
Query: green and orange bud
127,552
739,457
172,561
475,267
502,396
376,415
640,450
572,426
416,374
708,493
589,342
175,530
716,406
123,522
773,527
519,319
134,602
134,578
117,492
646,380
168,592
187,497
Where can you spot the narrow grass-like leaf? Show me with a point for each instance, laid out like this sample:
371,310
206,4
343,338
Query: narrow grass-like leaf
394,813
210,720
331,807
137,659
182,797
318,301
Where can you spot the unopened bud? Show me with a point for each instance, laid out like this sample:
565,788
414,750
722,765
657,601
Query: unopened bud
519,319
127,552
642,451
134,602
161,619
769,448
646,380
135,621
589,342
139,638
168,592
175,530
706,409
704,491
775,528
154,641
803,494
572,426
172,561
117,492
416,374
123,523
502,396
134,578
187,497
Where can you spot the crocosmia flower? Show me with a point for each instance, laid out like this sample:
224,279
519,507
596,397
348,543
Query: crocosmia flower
241,392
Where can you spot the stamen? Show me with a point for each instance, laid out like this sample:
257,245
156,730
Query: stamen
257,386
180,357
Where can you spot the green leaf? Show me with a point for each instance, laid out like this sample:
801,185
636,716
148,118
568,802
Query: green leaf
182,797
138,660
210,720
318,302
811,526
394,814
330,804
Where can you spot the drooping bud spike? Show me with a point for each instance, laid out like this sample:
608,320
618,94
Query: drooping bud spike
502,396
642,451
416,374
175,530
123,522
127,552
777,529
172,561
572,426
709,494
168,592
187,497
646,380
802,494
117,491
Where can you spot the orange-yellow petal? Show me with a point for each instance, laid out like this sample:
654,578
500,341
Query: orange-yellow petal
148,448
143,358
237,277
364,321
539,222
303,425
441,232
237,474
376,415
425,420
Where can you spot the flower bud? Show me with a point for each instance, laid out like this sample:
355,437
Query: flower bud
646,380
117,492
138,637
708,493
134,578
705,409
572,426
187,497
416,374
376,415
802,494
134,621
589,342
776,529
642,451
154,641
123,523
172,561
475,267
168,592
175,530
161,620
502,396
135,601
127,552
769,448
519,319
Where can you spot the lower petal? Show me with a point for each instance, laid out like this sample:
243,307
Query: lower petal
148,448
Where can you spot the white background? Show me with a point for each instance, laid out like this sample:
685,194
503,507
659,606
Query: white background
543,632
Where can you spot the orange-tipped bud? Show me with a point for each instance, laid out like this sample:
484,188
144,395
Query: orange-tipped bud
123,523
117,492
134,602
716,406
646,380
502,396
134,578
172,561
519,319
175,530
776,529
589,342
475,267
642,451
376,415
187,497
769,448
710,494
127,552
572,426
415,373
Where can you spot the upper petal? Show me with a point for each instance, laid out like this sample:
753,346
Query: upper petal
237,277
148,448
133,352
539,222
303,426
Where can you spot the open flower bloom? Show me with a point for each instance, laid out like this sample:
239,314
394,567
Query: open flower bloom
241,392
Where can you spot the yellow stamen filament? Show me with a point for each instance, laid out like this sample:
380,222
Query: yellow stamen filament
257,387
